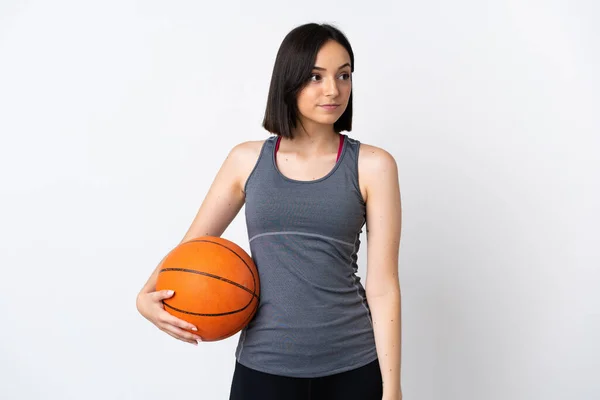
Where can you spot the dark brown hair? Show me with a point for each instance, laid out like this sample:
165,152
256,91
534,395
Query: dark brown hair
292,71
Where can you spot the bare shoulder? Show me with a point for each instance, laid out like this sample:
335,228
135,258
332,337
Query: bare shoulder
375,164
375,158
245,156
247,151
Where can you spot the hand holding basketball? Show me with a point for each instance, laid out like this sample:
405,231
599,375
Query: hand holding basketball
150,305
216,284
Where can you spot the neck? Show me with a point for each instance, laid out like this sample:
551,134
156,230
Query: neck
313,137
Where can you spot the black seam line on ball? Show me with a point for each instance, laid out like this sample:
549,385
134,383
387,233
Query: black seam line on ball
206,315
193,271
227,248
243,324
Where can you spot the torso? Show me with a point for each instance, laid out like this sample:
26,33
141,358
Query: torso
304,219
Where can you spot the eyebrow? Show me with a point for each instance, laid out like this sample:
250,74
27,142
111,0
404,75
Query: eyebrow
340,67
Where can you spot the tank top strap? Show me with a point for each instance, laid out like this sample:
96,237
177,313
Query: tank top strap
349,164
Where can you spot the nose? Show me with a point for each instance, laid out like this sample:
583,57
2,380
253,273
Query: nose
331,89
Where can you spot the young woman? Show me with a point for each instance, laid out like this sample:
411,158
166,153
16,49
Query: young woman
309,190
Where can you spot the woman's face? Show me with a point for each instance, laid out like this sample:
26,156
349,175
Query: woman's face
330,83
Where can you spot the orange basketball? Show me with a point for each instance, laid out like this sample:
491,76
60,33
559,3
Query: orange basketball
216,286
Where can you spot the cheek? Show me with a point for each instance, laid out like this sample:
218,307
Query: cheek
346,89
307,99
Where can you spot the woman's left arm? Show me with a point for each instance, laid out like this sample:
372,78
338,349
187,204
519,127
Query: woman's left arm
384,219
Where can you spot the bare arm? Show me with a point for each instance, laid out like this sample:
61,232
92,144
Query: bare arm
384,218
223,201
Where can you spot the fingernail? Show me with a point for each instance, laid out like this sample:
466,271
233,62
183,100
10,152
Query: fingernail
194,328
169,292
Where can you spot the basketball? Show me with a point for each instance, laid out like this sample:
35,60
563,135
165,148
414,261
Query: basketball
216,286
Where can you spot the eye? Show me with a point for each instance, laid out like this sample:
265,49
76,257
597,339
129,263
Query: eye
346,76
315,77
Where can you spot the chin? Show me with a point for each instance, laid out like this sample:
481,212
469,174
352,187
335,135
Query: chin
326,119
321,119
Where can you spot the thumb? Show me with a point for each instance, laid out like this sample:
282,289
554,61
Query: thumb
164,294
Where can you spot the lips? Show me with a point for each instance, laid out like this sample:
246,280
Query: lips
329,106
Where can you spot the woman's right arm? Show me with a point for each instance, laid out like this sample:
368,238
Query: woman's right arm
222,203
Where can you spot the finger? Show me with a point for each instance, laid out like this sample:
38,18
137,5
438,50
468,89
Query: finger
180,333
173,320
194,342
162,294
179,337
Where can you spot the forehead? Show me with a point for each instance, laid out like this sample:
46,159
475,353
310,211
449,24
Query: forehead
331,55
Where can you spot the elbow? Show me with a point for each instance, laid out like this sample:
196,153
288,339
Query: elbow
383,290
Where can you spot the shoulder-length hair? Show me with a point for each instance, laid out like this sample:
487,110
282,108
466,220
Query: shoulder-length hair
293,67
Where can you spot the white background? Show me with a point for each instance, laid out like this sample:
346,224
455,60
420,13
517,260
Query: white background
116,115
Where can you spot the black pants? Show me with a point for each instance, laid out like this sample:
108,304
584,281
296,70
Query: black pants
363,383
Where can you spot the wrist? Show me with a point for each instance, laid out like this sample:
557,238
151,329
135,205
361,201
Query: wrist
390,393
